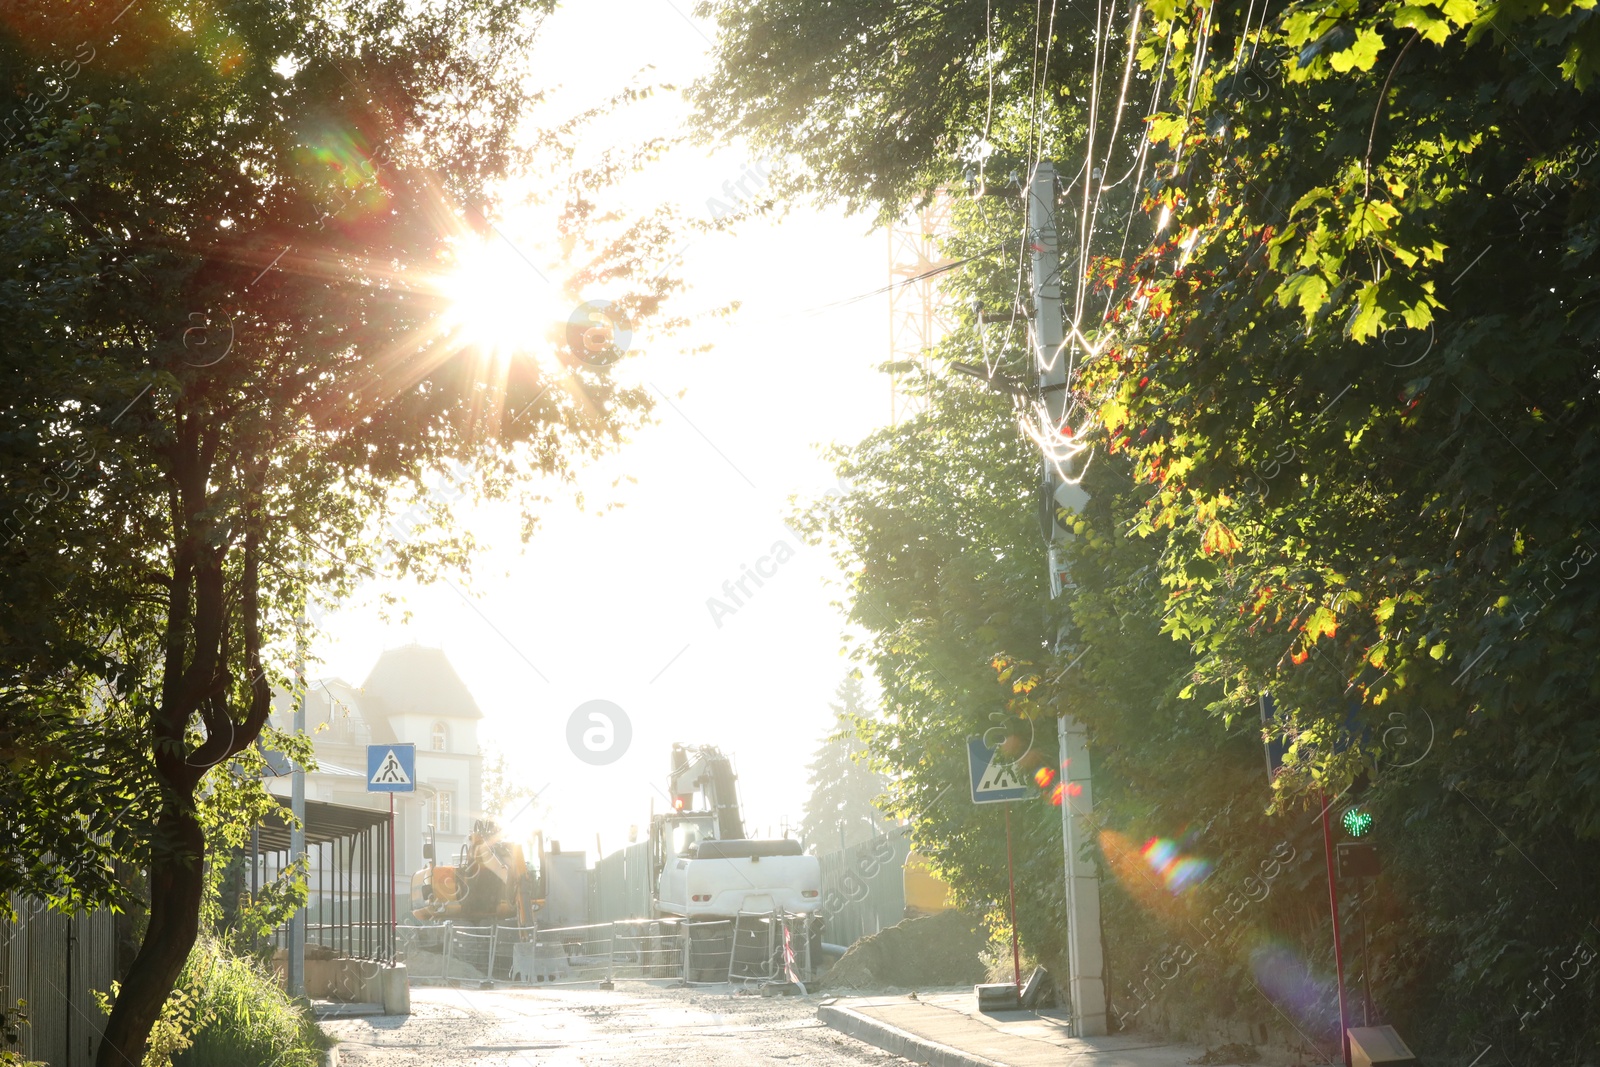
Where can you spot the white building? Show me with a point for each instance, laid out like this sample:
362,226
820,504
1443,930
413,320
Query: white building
412,694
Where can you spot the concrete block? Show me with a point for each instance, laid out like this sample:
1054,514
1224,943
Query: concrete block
1001,996
1378,1046
396,990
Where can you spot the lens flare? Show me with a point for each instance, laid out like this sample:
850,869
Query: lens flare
1288,981
1043,777
354,182
1123,856
1178,872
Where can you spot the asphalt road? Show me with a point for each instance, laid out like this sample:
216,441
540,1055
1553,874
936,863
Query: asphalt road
640,1024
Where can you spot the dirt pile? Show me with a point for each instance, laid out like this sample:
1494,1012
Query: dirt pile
922,953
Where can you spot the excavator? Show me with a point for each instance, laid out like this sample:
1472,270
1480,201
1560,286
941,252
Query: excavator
708,873
490,882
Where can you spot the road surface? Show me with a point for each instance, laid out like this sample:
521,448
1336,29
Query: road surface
640,1024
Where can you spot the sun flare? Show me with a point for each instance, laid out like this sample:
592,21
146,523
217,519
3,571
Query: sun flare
500,302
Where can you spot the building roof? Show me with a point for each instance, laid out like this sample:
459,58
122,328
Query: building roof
414,680
325,822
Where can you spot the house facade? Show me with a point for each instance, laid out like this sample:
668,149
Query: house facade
411,695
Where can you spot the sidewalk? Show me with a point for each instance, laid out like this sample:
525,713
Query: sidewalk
946,1030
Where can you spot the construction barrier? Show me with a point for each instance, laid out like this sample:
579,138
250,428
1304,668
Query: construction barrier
749,949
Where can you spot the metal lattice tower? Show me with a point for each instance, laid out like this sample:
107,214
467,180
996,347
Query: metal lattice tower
919,313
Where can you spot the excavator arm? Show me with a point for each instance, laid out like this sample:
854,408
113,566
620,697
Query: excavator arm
703,769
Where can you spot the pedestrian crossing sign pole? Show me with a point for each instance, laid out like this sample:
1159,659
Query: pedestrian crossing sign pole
996,780
391,768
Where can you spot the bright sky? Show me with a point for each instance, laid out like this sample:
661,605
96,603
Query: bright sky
614,606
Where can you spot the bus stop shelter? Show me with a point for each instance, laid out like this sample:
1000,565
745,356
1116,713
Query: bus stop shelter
351,910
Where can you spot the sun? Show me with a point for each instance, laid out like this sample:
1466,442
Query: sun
500,302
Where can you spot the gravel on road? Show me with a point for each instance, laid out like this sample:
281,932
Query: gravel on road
639,1024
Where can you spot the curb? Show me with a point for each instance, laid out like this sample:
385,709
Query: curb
898,1041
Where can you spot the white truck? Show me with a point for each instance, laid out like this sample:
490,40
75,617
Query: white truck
728,889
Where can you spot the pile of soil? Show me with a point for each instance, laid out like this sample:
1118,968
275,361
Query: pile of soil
922,953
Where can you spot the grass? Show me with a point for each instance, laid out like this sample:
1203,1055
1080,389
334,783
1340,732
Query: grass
245,1019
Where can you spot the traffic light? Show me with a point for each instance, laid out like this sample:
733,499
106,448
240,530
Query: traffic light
1356,821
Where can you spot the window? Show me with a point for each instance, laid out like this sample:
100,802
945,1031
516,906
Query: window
688,833
444,819
441,737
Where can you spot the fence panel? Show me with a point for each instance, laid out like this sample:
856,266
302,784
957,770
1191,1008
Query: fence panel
56,963
863,887
763,948
621,885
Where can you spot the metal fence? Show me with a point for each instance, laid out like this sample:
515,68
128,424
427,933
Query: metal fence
863,887
622,885
755,949
55,962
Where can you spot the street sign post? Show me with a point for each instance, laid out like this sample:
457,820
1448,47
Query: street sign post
391,768
994,780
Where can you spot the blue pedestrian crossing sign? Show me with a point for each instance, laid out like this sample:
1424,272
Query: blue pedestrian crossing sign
391,768
995,780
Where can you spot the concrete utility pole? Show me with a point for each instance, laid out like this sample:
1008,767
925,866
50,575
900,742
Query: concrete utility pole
1085,962
296,970
1048,329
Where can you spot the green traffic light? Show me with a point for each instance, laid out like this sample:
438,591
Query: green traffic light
1357,821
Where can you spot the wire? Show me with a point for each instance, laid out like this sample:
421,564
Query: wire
988,111
941,269
1044,93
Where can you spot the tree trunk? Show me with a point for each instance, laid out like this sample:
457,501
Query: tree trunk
176,882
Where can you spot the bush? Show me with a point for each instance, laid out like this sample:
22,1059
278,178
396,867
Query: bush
242,1017
12,1020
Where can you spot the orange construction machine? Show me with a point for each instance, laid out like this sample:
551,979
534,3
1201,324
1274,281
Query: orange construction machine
490,881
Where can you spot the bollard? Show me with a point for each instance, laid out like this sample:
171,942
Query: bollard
494,938
449,939
611,958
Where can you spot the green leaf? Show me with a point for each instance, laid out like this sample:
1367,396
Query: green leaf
1323,622
1167,129
1311,196
1459,12
1432,28
1306,288
1372,218
1361,55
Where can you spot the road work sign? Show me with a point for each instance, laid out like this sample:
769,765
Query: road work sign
391,768
995,780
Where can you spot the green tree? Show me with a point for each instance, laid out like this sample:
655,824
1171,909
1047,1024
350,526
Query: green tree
223,229
1354,487
1339,487
944,556
876,104
842,807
